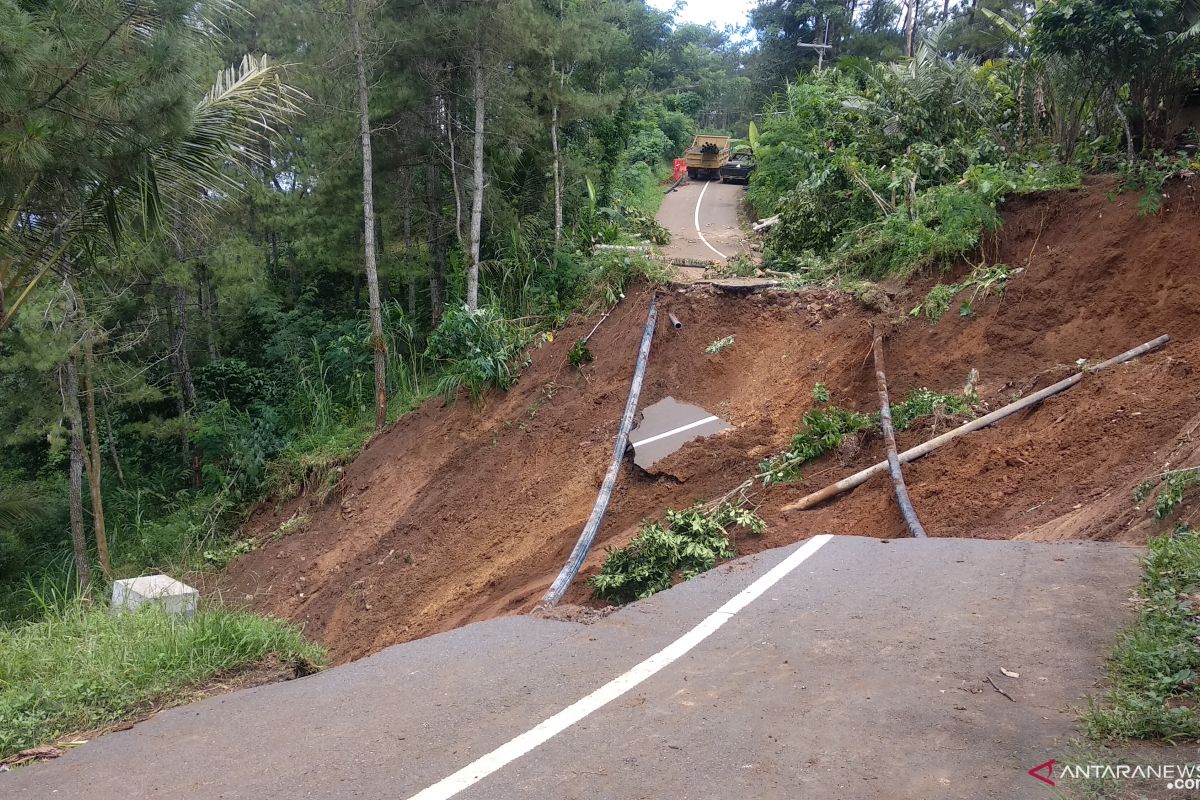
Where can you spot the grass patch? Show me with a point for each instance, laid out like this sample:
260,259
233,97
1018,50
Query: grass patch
691,542
80,667
1154,665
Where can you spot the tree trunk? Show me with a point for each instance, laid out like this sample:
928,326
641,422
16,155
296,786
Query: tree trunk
437,251
187,388
112,447
476,189
411,282
93,461
208,309
558,189
378,344
70,397
910,26
448,123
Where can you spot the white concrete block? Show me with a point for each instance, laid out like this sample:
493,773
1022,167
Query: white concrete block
174,597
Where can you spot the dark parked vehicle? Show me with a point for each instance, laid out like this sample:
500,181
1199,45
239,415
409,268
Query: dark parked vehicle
737,168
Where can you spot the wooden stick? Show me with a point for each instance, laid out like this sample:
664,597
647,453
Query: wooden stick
998,689
913,454
889,437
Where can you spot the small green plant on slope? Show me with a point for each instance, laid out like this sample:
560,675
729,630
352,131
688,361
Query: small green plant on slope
1171,487
691,542
739,265
221,555
80,667
1149,177
580,354
719,345
984,280
823,429
1154,664
921,403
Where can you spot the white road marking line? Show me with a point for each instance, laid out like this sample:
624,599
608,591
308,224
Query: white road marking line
696,217
680,429
512,750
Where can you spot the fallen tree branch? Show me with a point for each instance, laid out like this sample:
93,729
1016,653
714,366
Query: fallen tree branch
914,453
889,437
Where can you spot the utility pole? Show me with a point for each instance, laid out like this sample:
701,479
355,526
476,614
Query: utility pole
820,48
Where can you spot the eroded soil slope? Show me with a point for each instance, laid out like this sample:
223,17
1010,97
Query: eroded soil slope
466,512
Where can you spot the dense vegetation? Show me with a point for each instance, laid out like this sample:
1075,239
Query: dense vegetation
236,240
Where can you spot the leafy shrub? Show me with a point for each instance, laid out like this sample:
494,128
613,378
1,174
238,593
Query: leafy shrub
580,353
984,281
232,380
220,556
478,350
691,542
823,429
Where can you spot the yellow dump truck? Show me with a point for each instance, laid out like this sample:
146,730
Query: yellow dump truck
706,156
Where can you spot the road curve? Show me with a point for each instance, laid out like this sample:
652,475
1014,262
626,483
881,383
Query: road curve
703,220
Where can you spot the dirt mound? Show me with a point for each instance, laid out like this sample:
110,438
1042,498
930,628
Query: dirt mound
463,513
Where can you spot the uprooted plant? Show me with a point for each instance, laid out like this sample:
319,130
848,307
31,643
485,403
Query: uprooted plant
690,542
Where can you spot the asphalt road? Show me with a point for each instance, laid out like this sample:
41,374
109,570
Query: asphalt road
703,221
860,673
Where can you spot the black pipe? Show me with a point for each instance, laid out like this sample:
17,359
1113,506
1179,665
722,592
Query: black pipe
575,560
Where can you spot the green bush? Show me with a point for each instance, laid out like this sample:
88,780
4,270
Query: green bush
477,350
81,667
691,542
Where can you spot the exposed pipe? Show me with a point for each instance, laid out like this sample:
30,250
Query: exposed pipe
859,478
575,560
889,437
675,323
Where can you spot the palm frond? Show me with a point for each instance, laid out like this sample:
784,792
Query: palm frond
18,505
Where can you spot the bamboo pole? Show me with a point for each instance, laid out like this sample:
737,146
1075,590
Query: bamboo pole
889,437
859,478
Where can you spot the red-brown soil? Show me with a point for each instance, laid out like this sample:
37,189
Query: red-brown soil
467,512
